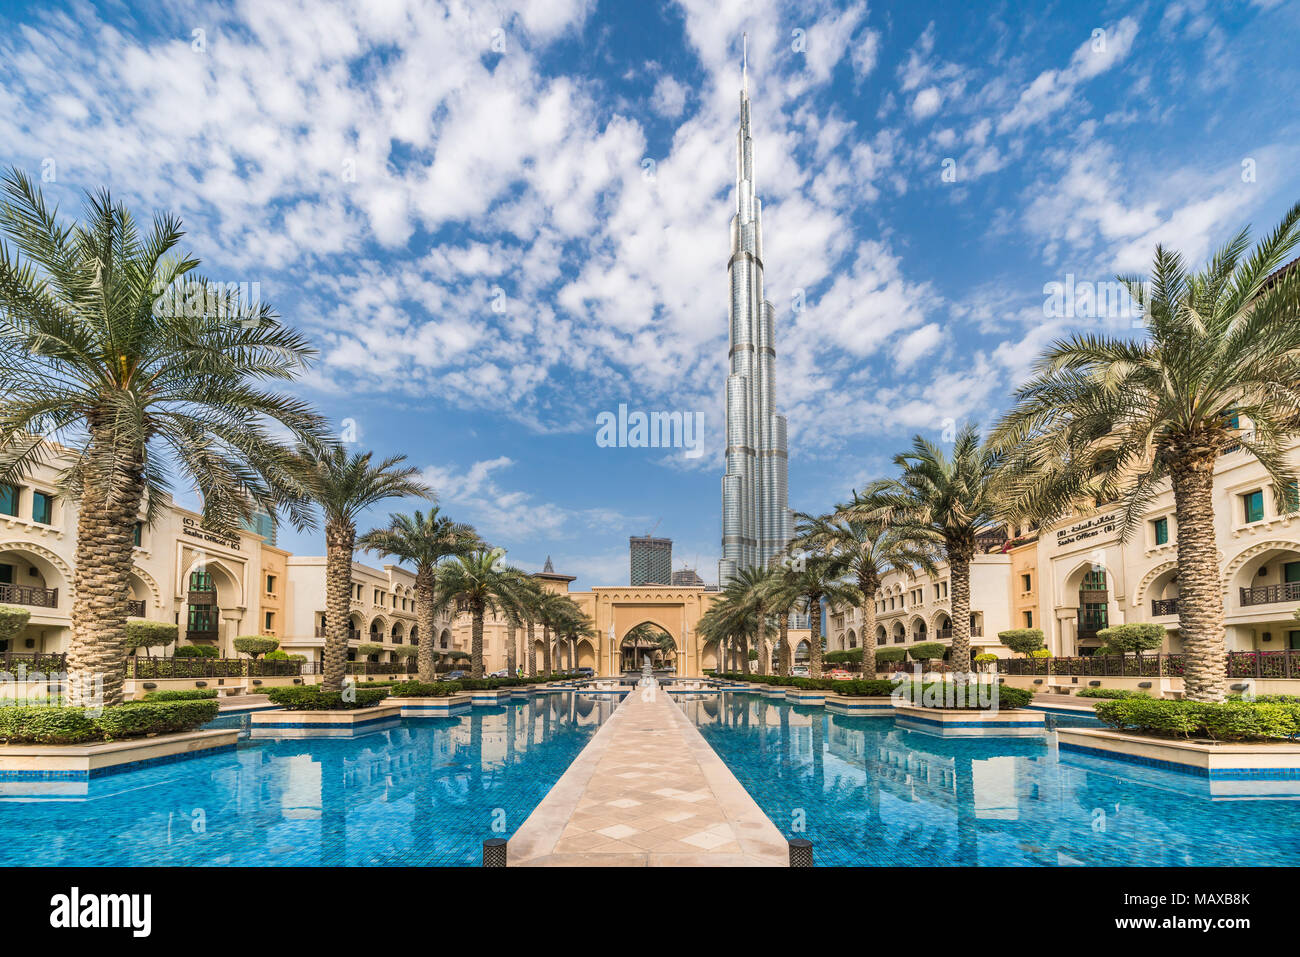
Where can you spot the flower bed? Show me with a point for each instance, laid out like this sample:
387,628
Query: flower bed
56,725
1225,721
312,698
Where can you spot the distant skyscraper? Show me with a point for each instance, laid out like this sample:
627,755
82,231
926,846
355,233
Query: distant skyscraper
651,560
756,520
263,525
687,577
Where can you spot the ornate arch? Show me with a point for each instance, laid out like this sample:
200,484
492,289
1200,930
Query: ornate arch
1246,554
934,622
149,583
1148,580
60,566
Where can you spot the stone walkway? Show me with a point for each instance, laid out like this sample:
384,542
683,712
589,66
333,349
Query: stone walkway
648,790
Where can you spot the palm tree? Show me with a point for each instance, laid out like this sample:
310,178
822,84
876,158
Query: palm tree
424,541
867,550
809,581
136,392
344,486
748,593
478,581
551,610
1107,419
942,503
528,597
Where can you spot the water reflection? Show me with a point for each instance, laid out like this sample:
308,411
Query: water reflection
426,791
869,792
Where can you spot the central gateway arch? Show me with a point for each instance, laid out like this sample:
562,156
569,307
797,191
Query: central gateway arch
676,610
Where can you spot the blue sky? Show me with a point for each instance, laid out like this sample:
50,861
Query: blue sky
498,220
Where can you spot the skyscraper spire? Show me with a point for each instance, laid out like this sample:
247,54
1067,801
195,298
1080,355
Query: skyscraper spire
744,63
756,521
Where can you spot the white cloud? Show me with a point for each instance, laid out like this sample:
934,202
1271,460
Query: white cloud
669,98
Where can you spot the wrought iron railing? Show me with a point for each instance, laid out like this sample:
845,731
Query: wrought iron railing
1163,606
29,595
1240,664
1270,594
45,662
943,634
135,608
408,667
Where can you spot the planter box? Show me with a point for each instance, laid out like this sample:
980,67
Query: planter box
1262,768
81,762
282,723
876,705
809,697
955,723
491,698
442,707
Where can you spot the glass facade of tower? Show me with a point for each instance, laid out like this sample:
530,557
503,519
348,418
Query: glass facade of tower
651,560
756,519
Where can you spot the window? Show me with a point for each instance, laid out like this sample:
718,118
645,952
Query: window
43,508
1160,531
1291,500
1253,506
201,580
137,534
269,625
270,584
1026,582
1231,420
8,499
936,591
1029,619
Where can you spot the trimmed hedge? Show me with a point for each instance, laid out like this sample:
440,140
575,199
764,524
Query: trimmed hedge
963,696
19,725
1225,721
868,687
312,698
1115,694
197,651
254,645
12,620
425,689
195,694
142,633
927,651
1024,641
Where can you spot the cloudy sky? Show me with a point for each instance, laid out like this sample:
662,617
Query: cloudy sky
499,220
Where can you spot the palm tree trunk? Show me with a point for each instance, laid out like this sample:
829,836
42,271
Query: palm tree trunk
815,639
340,542
1200,592
744,655
868,629
476,641
531,656
425,653
510,650
101,584
959,573
759,642
546,648
783,646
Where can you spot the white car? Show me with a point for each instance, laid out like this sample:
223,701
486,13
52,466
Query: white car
502,673
799,671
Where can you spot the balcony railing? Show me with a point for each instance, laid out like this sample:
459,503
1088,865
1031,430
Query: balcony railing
29,595
1163,606
1270,594
30,661
1241,664
135,608
943,634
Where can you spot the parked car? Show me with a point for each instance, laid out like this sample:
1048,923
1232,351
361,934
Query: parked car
839,674
455,675
586,672
799,671
500,673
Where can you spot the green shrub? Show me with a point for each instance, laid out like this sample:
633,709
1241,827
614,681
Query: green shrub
927,651
53,725
985,658
197,651
889,656
280,654
193,694
12,621
850,656
1137,637
963,696
142,633
1269,698
1023,641
1225,721
1040,653
366,649
312,698
36,725
147,717
425,689
1112,693
406,651
254,645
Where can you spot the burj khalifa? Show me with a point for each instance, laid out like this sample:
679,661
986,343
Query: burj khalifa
756,519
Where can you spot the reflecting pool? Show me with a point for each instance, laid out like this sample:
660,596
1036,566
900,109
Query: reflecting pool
869,791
